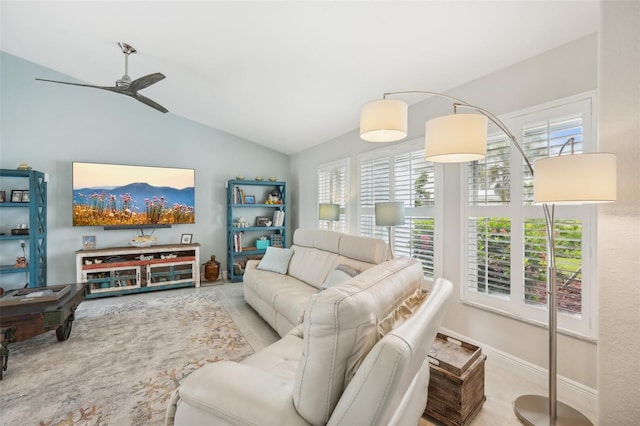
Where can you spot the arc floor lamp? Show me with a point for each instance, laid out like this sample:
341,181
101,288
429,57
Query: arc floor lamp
564,179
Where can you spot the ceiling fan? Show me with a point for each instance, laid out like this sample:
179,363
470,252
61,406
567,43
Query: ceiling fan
125,86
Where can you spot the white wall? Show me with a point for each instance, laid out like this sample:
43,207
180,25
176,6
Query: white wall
619,223
562,72
50,125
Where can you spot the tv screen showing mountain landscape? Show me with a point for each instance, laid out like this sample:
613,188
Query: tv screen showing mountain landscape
120,195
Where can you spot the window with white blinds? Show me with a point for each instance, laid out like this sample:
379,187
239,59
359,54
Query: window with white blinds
333,185
506,253
401,174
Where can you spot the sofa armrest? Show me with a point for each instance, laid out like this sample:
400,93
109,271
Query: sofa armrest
236,393
252,264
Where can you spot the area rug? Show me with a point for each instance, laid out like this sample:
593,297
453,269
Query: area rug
120,364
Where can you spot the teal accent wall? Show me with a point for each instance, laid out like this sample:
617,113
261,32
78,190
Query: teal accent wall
51,125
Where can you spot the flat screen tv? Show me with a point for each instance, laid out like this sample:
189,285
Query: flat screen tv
123,196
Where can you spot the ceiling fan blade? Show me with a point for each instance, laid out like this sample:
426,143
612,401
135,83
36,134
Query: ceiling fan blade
146,81
147,101
79,84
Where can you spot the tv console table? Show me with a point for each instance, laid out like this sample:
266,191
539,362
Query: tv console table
125,270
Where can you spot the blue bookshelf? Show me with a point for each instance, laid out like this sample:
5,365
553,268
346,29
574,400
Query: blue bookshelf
35,214
247,199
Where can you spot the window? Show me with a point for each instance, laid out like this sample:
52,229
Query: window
401,173
505,251
333,184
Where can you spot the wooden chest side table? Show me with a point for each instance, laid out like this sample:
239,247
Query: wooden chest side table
456,386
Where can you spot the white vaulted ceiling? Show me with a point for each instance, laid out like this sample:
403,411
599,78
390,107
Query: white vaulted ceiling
287,75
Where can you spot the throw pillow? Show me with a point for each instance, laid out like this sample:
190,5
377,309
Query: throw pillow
276,259
339,275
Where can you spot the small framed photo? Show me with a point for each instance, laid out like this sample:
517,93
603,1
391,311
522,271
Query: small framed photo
25,196
16,196
263,221
186,238
249,199
88,242
3,196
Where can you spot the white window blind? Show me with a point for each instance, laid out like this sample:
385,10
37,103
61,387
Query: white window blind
401,174
333,184
506,253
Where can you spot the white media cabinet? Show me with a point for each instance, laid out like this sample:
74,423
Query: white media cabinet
124,270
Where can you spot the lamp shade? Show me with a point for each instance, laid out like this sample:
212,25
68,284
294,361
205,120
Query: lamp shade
456,138
575,179
384,120
329,212
389,213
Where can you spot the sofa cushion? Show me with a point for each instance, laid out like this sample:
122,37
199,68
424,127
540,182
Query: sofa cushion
311,265
366,249
280,295
316,238
276,259
341,326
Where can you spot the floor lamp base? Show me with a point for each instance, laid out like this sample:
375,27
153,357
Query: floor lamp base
533,410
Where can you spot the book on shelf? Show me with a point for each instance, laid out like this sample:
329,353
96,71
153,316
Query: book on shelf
237,242
238,195
278,218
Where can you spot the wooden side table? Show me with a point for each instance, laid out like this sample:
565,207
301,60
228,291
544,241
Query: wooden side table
29,312
456,385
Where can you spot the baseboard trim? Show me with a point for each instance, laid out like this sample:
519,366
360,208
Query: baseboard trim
571,392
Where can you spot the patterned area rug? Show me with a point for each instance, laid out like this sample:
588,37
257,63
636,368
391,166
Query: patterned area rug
120,364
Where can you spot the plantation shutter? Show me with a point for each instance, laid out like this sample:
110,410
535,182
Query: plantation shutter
374,187
543,139
332,189
505,257
407,177
488,230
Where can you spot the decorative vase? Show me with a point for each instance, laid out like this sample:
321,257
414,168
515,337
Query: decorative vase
212,269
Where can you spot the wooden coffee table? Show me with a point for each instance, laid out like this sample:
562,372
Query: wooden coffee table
29,312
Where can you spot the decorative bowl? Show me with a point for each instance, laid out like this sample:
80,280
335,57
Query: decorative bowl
240,177
259,178
272,179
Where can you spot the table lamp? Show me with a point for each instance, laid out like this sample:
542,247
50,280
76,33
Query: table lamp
330,213
389,213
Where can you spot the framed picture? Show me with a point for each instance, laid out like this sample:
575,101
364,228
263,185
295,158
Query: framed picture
186,238
16,196
25,196
88,242
3,196
263,221
249,199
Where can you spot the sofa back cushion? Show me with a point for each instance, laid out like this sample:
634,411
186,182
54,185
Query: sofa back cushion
317,253
311,265
341,326
365,249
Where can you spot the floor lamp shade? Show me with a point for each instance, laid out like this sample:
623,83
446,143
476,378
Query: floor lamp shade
456,138
389,213
575,179
384,120
329,212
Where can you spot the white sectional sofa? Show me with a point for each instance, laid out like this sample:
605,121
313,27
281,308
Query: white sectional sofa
358,358
317,257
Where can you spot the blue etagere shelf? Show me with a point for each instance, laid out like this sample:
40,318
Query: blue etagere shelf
36,240
240,204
